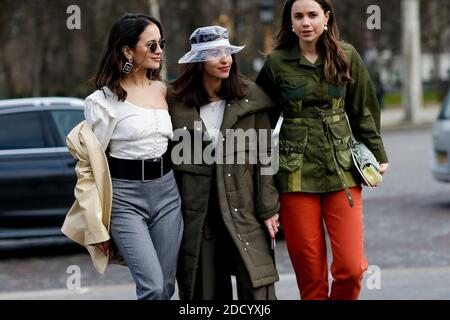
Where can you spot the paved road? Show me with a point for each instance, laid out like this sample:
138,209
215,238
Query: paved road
407,232
395,284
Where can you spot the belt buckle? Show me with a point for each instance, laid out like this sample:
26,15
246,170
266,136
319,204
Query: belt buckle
161,171
319,112
143,171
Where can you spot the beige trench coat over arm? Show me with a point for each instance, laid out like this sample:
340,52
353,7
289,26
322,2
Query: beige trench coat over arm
88,220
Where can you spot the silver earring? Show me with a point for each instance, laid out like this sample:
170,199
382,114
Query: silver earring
128,66
326,28
293,30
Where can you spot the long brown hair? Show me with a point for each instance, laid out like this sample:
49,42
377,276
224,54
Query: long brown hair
336,64
188,86
125,32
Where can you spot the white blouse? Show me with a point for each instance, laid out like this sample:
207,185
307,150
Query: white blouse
139,133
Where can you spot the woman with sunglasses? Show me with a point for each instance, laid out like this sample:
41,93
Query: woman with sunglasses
129,115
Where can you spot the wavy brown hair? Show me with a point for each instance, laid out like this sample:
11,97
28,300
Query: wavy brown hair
336,64
125,32
188,86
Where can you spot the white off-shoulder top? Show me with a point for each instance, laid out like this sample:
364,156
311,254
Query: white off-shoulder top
137,133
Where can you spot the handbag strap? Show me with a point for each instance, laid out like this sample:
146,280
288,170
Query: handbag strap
323,117
338,170
349,126
276,131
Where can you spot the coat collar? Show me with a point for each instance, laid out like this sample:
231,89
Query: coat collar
235,109
293,53
255,100
189,117
186,117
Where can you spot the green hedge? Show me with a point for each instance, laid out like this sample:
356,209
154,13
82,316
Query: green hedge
394,99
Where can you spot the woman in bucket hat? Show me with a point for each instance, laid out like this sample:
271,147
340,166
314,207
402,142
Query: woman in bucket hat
230,210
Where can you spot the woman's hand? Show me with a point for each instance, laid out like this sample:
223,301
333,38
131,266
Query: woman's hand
272,225
103,246
383,167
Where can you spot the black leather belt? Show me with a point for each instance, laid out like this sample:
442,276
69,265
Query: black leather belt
143,170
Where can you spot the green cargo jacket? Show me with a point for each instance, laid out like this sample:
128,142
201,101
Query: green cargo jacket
245,197
314,126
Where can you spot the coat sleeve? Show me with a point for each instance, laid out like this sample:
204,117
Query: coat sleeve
83,224
267,200
363,108
266,81
86,193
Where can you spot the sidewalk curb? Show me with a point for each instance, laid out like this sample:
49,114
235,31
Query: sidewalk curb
394,119
403,126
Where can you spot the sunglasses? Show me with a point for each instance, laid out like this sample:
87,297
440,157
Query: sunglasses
154,45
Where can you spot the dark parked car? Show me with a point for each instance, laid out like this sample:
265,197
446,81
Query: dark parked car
37,173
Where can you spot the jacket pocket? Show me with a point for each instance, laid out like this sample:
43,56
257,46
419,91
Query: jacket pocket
293,89
293,140
336,91
341,141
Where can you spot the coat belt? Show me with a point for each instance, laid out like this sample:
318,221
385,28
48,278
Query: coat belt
314,113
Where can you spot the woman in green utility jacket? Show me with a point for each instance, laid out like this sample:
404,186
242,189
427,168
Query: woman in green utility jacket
316,79
230,208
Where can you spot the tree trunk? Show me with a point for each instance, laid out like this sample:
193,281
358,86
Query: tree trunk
412,83
154,9
155,12
39,43
6,83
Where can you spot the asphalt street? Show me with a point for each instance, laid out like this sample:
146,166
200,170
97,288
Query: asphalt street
407,240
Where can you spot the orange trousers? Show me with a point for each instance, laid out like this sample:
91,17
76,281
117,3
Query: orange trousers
303,216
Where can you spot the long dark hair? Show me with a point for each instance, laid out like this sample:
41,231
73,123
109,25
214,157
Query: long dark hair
188,86
337,66
125,32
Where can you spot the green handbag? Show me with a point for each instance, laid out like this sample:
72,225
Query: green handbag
364,160
366,163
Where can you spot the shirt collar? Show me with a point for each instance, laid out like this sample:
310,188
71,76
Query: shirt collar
293,53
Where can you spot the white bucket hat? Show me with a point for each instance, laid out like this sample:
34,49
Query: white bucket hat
209,43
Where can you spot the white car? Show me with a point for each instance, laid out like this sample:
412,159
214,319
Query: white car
441,143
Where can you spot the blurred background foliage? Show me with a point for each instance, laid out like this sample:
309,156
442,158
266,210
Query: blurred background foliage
40,56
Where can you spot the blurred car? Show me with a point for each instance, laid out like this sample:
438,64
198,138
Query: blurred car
441,143
37,174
